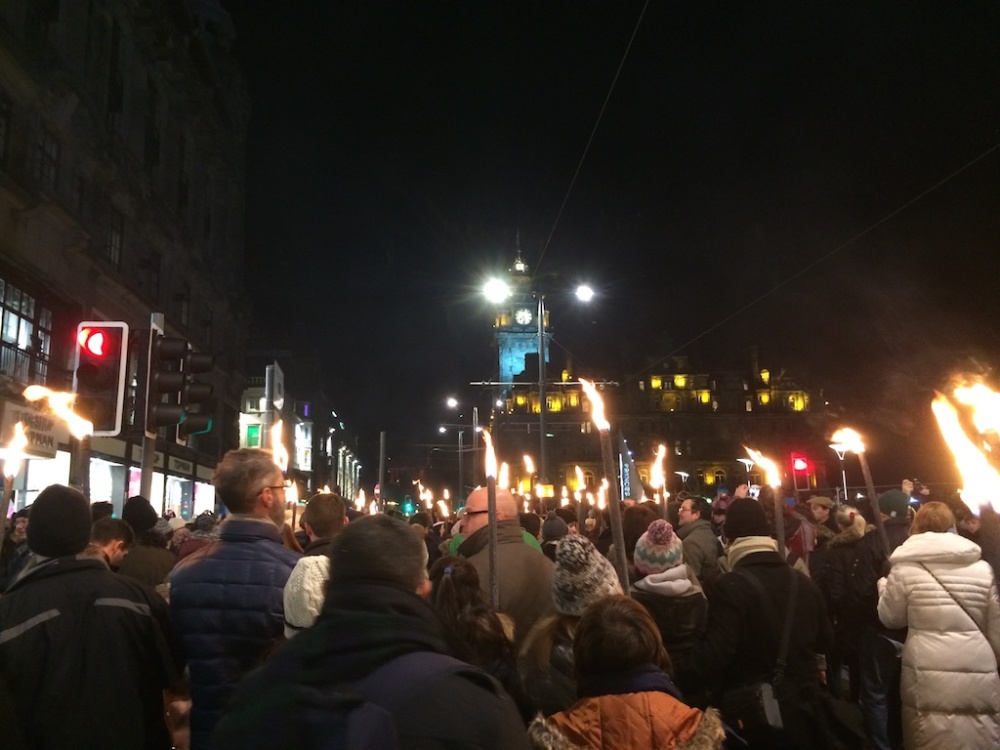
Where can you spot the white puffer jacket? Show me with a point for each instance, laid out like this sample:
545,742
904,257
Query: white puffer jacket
950,687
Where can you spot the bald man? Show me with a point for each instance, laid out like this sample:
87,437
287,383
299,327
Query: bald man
524,574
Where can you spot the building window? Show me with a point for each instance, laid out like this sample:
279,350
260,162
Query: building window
45,161
680,382
749,405
25,335
253,436
720,477
656,382
116,235
677,448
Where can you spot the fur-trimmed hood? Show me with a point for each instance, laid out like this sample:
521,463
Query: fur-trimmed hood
709,734
848,536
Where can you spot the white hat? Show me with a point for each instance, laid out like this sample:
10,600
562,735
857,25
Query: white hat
305,592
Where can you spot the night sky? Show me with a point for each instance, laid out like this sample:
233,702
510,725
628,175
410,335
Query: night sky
756,178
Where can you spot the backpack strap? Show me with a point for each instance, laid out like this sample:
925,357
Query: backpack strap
786,632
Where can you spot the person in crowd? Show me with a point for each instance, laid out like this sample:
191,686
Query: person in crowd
983,529
149,561
101,509
582,575
746,618
204,531
701,547
719,506
941,589
111,540
477,633
669,589
324,517
376,637
99,643
531,522
626,698
421,523
834,580
524,574
879,648
568,515
233,586
553,529
15,552
635,521
288,540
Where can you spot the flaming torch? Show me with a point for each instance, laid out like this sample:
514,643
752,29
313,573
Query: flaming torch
773,478
360,501
503,481
278,447
491,507
13,457
847,439
614,502
61,404
980,481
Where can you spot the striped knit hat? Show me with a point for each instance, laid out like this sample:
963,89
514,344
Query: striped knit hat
657,550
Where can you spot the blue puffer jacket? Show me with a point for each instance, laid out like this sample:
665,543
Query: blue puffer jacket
226,601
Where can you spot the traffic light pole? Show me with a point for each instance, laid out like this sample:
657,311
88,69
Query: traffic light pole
156,324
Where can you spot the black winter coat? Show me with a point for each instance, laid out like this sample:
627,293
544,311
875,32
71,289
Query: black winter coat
363,626
86,654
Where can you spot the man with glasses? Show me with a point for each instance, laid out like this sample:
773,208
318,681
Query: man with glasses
701,546
227,598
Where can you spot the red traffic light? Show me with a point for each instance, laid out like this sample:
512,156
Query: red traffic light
800,464
92,341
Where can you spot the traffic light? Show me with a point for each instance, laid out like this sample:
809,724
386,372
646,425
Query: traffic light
801,472
195,397
99,373
164,381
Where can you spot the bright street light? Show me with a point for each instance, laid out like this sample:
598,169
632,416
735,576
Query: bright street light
584,293
496,290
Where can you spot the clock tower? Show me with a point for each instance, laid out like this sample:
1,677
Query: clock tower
517,327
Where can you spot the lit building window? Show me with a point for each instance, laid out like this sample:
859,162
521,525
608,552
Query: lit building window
765,377
25,336
720,476
519,400
656,382
749,405
680,381
704,396
553,403
574,400
253,436
764,398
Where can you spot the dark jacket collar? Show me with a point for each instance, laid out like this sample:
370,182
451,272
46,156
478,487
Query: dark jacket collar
320,546
57,566
643,679
248,529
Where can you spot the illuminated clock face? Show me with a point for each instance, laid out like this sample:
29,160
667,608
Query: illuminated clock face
523,317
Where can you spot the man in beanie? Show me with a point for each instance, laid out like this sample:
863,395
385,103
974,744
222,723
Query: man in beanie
149,561
376,637
669,589
524,574
553,529
745,621
70,628
228,597
880,648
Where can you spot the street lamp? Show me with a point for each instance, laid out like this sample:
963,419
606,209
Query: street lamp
452,403
749,465
461,456
684,478
841,450
498,291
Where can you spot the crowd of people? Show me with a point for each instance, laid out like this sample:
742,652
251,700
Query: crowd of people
368,631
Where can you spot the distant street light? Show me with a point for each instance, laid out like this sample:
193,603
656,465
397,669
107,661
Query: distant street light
749,465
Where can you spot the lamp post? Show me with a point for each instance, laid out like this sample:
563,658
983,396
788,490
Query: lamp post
841,450
748,464
499,291
452,403
684,478
461,456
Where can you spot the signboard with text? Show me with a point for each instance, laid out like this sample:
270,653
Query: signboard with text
45,431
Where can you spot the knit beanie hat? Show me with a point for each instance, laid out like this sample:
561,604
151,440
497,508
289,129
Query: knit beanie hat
304,593
582,576
745,517
893,503
60,522
139,514
554,527
658,549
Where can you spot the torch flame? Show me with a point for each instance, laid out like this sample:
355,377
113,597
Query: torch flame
849,440
656,479
443,508
980,481
292,493
985,403
373,508
326,490
773,476
491,458
503,481
278,447
447,494
61,404
14,452
529,465
580,484
360,501
596,405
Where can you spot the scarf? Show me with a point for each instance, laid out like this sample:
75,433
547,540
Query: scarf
747,545
642,679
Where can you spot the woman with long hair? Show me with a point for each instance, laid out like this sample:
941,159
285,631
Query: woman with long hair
945,594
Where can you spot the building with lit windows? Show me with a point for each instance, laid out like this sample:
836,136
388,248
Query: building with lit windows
121,194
